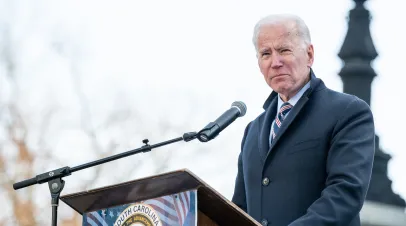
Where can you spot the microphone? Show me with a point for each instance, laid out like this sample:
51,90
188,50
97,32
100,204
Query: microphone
209,132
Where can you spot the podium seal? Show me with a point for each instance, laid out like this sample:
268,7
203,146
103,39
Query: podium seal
138,215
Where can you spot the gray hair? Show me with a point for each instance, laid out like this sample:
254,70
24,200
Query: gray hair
301,27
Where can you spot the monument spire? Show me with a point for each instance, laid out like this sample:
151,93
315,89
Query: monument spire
357,53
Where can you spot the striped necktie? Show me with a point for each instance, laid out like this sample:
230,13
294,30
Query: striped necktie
283,111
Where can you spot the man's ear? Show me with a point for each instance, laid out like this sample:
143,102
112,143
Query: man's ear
310,55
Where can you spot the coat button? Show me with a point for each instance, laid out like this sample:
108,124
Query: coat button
265,181
264,222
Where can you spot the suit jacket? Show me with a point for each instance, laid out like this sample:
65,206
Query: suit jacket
318,168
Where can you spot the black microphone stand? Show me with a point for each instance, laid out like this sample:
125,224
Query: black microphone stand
54,177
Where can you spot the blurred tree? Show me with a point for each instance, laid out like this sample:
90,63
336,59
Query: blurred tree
30,129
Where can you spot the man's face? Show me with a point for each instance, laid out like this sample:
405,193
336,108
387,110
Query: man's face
283,59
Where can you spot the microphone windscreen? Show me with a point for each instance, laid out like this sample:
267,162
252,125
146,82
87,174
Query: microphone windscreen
241,107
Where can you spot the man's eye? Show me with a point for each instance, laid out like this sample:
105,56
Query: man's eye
284,50
265,54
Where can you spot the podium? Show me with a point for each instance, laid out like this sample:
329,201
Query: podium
174,198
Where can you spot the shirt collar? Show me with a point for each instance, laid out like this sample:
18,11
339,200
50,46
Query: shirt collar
295,98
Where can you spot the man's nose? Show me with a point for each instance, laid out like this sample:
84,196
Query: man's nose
276,61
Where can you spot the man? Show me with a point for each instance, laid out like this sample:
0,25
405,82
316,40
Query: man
307,160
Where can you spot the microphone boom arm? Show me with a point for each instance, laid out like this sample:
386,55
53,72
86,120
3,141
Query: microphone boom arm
54,177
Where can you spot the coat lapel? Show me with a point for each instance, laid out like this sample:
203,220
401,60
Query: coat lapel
289,119
266,122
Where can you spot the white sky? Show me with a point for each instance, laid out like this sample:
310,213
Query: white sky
187,61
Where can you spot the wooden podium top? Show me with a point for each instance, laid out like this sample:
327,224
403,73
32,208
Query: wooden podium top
210,202
132,191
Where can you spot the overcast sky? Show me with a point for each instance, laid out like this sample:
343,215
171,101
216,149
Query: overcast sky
187,61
